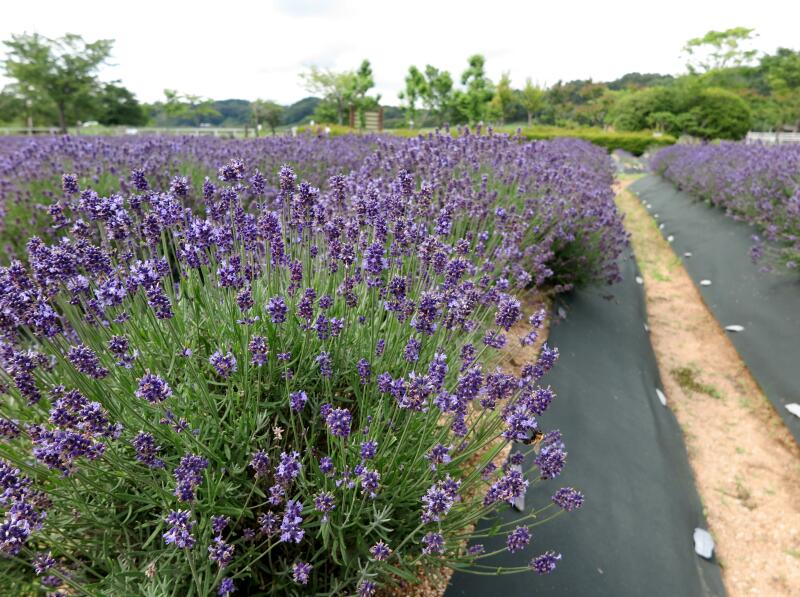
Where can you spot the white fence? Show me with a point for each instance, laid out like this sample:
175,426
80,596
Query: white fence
116,130
772,138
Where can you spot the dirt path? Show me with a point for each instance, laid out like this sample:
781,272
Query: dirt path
745,462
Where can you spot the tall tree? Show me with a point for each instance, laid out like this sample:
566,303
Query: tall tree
117,105
415,90
62,71
719,49
438,98
478,89
532,99
268,112
335,88
503,102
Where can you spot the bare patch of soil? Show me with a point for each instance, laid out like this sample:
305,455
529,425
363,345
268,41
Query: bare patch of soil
745,462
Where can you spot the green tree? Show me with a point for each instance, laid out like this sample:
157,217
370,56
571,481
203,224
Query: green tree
501,106
415,90
719,49
335,89
478,91
719,114
532,99
268,112
60,71
782,72
438,98
188,109
117,106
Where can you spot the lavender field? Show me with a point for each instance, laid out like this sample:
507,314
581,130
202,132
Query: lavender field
276,366
759,184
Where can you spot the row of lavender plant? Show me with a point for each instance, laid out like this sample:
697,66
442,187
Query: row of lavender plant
759,184
224,387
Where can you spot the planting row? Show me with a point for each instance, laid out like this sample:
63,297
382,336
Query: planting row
756,183
254,383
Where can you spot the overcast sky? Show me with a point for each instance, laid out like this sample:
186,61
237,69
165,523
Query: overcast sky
257,49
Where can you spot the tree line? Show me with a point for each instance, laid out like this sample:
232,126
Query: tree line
727,89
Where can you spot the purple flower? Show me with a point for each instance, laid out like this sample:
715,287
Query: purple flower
338,421
433,543
297,400
509,487
147,450
364,371
369,449
260,463
439,454
290,525
220,552
153,389
258,350
138,180
226,587
439,499
411,351
380,346
224,364
42,562
518,539
508,312
568,499
86,361
219,524
300,572
69,183
323,359
326,465
189,474
475,550
289,468
324,502
277,309
180,531
366,588
545,563
380,551
370,481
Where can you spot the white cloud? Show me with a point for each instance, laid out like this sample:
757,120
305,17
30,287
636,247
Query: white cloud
257,49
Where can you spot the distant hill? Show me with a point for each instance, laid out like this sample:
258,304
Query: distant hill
300,111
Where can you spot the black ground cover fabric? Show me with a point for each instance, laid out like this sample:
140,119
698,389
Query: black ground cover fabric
767,304
633,536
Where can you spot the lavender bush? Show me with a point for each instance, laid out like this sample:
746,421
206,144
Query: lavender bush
759,184
231,387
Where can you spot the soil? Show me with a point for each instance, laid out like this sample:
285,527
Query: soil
745,462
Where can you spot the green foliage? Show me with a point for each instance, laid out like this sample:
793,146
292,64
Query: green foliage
501,107
60,72
267,112
719,114
634,142
634,109
416,88
719,49
531,98
472,102
118,106
341,91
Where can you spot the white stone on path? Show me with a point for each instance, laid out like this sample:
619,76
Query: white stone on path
639,280
703,544
734,328
794,408
662,398
705,282
687,254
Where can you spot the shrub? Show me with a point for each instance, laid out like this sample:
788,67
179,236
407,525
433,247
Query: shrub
291,392
718,114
